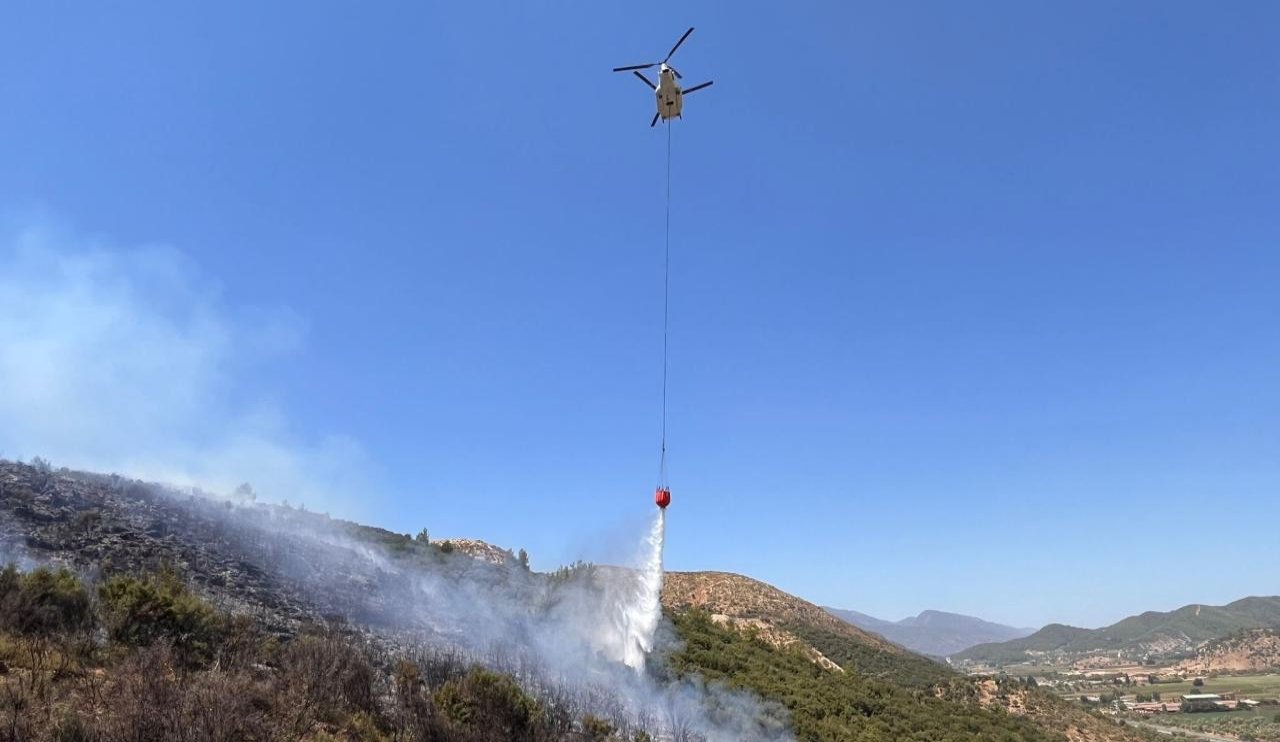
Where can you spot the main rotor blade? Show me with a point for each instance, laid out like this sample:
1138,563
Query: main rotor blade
678,43
655,120
636,67
646,80
696,88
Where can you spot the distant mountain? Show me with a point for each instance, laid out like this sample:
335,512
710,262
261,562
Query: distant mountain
862,620
1152,634
935,633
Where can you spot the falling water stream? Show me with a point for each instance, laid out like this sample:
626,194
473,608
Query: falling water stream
640,615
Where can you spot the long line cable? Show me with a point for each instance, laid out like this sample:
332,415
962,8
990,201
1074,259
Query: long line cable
666,303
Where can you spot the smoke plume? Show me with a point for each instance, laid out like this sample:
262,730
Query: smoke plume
586,632
120,360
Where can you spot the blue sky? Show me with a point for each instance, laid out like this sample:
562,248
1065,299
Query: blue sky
974,305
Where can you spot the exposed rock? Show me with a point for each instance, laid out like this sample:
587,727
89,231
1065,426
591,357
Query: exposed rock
482,550
1256,650
742,597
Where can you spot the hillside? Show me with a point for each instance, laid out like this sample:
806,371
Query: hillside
833,705
347,632
1138,638
934,633
741,601
1252,650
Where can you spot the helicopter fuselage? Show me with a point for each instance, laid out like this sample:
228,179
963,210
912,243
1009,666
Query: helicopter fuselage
668,94
670,99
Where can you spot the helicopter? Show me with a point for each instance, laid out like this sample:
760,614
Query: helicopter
670,97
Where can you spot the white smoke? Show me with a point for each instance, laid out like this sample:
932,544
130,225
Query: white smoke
121,360
12,553
127,360
593,631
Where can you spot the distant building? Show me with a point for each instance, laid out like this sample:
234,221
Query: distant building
1194,702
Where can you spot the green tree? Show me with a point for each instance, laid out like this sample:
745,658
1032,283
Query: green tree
423,537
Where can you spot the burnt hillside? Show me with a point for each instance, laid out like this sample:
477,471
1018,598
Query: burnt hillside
283,565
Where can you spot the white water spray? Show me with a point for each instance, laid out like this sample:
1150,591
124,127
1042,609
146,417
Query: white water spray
639,616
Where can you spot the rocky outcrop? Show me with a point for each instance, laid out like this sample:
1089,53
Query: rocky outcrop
482,550
1257,650
737,596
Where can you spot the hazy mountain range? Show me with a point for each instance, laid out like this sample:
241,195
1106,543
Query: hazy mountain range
935,633
1153,634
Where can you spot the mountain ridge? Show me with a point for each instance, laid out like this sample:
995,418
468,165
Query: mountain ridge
1148,635
932,632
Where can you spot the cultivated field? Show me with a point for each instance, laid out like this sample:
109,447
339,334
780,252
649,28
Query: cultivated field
1257,687
1259,726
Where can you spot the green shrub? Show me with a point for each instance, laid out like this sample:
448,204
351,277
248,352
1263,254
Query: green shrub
10,586
484,703
72,728
328,673
363,727
140,612
43,602
596,729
